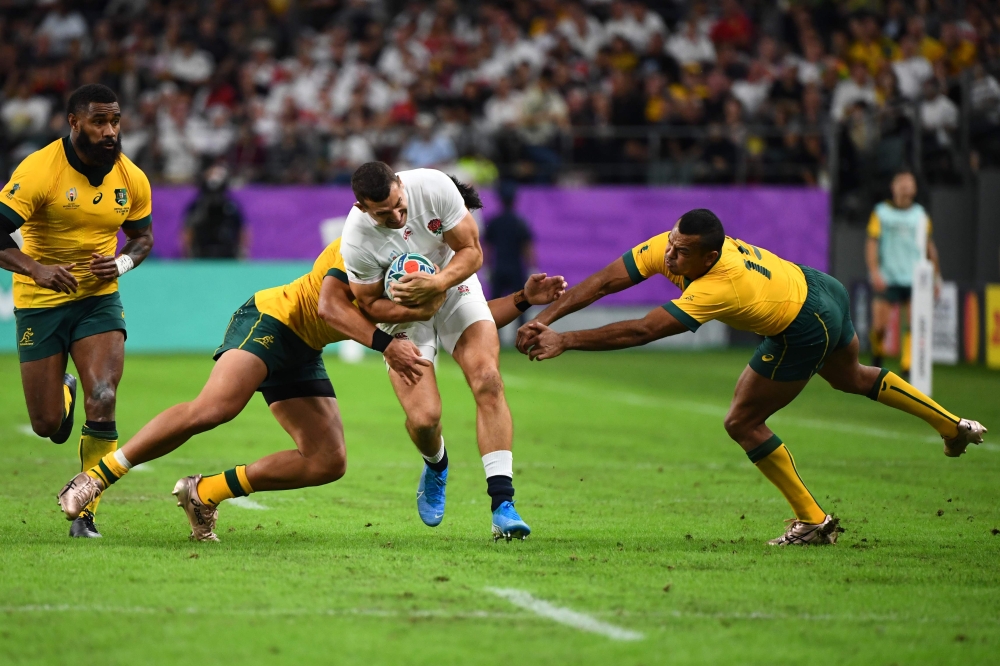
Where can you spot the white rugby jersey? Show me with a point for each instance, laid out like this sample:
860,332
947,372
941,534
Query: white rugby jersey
434,206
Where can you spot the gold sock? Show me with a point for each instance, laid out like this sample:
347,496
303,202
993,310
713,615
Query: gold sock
904,352
67,401
890,389
777,464
218,487
97,440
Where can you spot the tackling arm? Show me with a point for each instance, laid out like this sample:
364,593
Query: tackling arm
378,308
611,279
546,343
540,289
336,310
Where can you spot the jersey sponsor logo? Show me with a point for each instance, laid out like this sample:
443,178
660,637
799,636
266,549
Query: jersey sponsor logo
407,232
434,226
265,341
463,290
13,190
26,339
97,199
71,194
121,196
767,358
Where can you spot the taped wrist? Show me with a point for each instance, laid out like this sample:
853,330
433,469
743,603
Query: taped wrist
521,301
380,340
124,264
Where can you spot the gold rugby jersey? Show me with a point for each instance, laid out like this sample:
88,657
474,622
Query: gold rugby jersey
296,304
747,288
66,210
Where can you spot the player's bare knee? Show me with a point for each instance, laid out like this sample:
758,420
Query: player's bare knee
487,386
424,422
736,426
206,417
100,402
45,425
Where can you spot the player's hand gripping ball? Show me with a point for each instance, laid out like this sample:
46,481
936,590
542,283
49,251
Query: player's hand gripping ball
405,264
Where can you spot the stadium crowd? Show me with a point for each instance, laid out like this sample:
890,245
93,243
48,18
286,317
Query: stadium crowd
534,90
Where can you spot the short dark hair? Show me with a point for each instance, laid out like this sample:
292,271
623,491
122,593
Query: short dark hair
372,181
704,223
89,94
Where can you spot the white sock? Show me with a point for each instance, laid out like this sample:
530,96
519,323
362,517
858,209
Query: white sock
436,458
122,460
499,463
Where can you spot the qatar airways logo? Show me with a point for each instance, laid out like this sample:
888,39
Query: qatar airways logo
407,232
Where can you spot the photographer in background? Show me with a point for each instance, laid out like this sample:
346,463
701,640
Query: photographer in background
213,222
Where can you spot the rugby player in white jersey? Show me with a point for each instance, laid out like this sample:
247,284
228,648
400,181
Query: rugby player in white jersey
425,211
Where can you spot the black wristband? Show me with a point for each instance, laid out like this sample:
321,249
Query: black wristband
521,301
380,340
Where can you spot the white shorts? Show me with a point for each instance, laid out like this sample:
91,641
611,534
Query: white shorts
464,305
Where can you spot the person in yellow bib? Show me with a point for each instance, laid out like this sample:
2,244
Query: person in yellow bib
69,200
273,345
804,316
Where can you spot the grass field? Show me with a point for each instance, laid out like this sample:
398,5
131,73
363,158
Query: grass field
645,516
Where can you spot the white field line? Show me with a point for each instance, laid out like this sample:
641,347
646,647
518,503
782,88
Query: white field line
709,409
143,467
565,616
25,429
481,614
247,503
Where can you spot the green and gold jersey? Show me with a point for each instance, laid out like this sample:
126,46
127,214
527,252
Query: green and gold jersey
747,288
296,305
66,210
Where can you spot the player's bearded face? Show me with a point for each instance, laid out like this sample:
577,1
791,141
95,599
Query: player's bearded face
103,152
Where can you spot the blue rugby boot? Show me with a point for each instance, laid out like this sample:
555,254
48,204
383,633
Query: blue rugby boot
430,496
507,524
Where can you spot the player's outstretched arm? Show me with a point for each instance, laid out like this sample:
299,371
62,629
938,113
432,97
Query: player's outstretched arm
540,289
140,242
378,308
418,288
336,310
545,343
612,278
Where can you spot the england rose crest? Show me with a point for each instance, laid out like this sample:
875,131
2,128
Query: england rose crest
434,226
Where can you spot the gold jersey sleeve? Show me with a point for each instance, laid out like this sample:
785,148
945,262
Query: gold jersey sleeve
296,304
66,211
747,288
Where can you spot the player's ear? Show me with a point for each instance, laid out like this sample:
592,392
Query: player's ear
711,257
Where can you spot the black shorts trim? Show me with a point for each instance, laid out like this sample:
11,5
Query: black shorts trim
319,388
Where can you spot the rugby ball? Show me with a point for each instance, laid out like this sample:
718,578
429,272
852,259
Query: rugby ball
405,264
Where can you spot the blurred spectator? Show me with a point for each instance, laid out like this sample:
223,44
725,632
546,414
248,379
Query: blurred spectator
858,88
213,222
733,27
25,114
509,247
691,46
543,114
427,148
62,26
912,69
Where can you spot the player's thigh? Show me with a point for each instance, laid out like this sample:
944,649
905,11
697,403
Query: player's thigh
844,371
880,313
478,349
42,380
314,424
231,384
422,401
757,397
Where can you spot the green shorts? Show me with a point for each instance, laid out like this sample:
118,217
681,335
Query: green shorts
822,326
294,369
895,294
44,332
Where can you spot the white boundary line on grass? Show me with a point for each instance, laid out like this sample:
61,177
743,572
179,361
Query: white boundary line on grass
247,503
565,616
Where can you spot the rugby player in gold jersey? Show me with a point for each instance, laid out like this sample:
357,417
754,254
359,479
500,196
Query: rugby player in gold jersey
804,315
69,200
